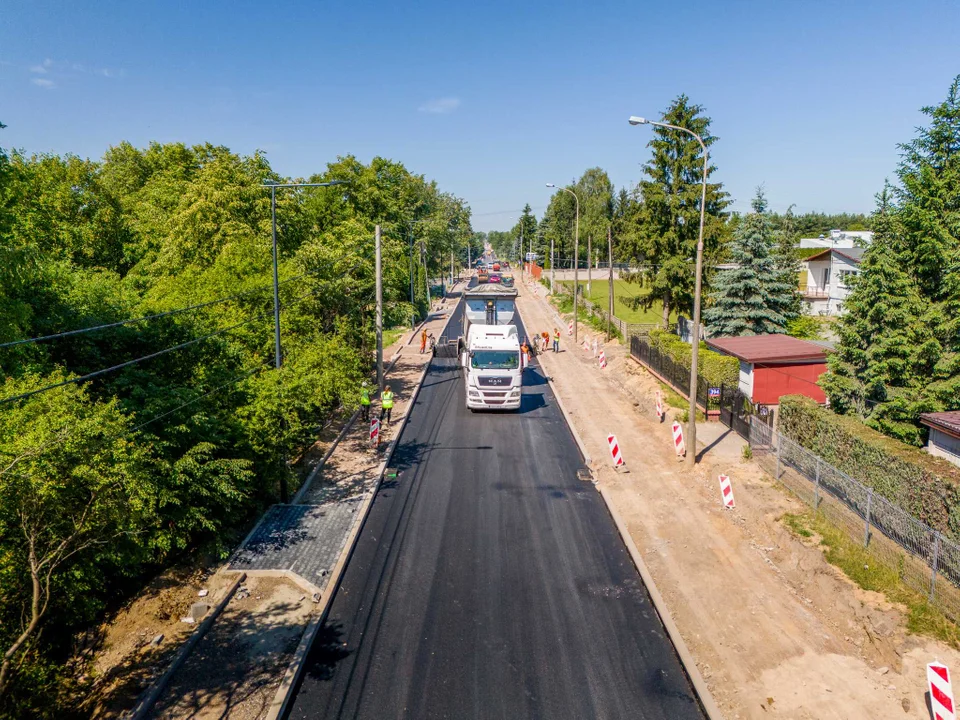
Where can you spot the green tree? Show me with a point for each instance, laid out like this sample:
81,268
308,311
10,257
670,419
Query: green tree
665,243
899,354
752,298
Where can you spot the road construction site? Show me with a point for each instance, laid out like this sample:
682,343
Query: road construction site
474,570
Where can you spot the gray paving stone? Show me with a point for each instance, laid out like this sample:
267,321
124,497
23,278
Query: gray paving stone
304,539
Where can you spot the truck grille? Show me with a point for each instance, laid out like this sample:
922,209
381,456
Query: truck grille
503,382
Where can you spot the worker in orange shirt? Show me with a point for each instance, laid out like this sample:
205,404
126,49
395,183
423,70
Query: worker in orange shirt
423,341
525,349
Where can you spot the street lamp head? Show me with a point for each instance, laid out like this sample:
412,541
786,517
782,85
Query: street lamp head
551,185
634,120
331,183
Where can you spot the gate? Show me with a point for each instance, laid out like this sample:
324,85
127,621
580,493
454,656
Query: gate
736,410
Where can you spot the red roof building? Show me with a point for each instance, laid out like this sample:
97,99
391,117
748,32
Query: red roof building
775,365
944,434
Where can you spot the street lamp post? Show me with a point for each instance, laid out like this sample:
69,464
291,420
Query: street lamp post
576,259
276,284
695,330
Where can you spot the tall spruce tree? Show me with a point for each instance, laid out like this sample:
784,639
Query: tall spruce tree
871,372
665,244
899,353
753,298
671,205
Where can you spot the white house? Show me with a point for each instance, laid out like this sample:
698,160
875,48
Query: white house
839,239
827,275
944,434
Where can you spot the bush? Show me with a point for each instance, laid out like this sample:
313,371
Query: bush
717,369
924,486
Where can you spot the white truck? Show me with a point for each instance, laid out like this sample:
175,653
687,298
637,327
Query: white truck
493,368
490,350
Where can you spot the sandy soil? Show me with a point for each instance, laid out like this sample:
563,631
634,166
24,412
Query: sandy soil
236,669
775,629
128,660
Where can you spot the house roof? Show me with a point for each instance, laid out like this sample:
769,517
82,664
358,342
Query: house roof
768,349
852,254
948,422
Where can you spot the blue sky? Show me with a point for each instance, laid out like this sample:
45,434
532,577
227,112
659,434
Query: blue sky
491,99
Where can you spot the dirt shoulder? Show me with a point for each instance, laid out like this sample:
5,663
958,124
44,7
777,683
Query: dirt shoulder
775,629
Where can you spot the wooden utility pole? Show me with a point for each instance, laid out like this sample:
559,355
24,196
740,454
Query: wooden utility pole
379,271
610,294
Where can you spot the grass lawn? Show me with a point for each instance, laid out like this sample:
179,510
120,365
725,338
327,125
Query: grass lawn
391,335
623,292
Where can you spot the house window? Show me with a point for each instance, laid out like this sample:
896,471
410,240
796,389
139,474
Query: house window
845,275
826,276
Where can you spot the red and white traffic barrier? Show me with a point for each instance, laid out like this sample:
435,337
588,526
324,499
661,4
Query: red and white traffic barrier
375,432
941,692
659,406
586,344
596,346
615,451
726,492
678,440
570,328
603,360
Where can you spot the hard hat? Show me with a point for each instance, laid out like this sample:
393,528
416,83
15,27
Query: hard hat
364,385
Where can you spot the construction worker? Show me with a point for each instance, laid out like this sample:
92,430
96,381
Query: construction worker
365,402
556,340
432,342
423,341
545,341
525,349
386,404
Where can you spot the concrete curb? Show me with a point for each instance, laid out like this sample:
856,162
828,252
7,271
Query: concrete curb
147,700
707,702
280,706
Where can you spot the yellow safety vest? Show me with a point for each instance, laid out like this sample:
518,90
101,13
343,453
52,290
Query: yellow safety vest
556,336
364,397
387,400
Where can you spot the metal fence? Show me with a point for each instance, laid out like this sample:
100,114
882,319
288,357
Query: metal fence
925,560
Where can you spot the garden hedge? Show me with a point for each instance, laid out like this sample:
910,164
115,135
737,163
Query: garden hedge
717,369
925,486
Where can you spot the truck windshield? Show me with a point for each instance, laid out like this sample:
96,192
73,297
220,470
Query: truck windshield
495,360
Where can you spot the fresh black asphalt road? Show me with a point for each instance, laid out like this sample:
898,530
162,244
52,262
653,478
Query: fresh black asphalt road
490,582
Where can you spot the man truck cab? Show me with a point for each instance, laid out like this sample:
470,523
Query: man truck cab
493,368
490,349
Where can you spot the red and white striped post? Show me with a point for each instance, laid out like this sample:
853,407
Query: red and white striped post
603,360
678,440
726,492
375,432
941,692
659,406
615,451
570,328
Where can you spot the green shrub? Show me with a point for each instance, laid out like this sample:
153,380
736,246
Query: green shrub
924,486
717,369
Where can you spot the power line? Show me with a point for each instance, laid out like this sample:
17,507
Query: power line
142,319
168,313
63,437
97,373
238,378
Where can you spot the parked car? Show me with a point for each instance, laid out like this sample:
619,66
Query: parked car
494,278
507,280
